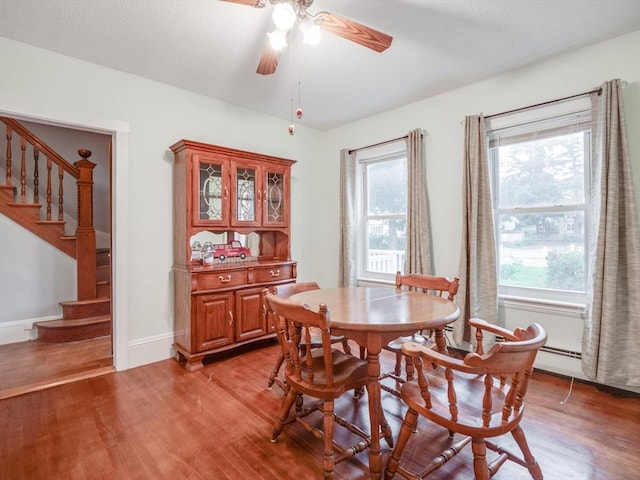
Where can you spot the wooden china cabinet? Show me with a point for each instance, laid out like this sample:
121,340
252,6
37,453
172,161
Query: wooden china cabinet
221,195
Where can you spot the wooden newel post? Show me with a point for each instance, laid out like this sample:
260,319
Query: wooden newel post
85,233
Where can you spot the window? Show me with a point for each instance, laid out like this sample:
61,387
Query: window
383,215
540,197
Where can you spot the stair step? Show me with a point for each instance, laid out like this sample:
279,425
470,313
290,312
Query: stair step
72,330
103,257
86,308
33,206
103,289
51,222
103,273
8,192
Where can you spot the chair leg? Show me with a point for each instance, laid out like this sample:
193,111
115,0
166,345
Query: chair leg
408,425
276,370
345,346
287,403
441,342
328,461
409,368
386,429
398,368
532,464
480,468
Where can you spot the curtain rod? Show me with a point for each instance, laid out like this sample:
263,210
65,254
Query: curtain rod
557,100
380,143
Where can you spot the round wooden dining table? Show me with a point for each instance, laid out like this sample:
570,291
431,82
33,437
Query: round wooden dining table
372,317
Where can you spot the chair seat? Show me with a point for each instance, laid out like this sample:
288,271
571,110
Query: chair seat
316,339
396,345
348,370
470,420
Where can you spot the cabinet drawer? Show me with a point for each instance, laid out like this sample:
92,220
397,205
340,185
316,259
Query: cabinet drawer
272,273
220,279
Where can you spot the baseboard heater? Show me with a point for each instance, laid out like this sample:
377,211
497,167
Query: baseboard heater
562,352
553,350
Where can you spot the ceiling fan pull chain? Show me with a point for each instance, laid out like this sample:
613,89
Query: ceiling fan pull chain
292,127
299,109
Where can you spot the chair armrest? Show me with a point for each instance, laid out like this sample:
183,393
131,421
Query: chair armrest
413,349
489,327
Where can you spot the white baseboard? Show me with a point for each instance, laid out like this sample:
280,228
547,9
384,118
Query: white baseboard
21,330
150,349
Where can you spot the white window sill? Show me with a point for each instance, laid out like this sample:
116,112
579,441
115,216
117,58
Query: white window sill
574,310
375,282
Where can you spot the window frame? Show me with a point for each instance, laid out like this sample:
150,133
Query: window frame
548,125
363,274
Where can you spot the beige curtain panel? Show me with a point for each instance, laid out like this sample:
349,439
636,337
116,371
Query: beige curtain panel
418,251
348,241
478,293
612,330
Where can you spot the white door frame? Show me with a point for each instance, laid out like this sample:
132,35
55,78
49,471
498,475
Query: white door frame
119,132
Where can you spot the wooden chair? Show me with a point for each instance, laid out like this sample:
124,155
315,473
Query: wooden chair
429,284
324,374
285,291
477,398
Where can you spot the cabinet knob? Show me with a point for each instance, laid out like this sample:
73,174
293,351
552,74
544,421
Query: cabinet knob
224,280
275,273
230,317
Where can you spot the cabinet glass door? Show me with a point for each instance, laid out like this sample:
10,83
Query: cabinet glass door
246,181
212,191
275,211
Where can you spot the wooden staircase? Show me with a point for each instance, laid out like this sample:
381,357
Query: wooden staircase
84,319
89,316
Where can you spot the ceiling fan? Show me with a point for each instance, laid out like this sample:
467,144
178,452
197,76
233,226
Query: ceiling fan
286,13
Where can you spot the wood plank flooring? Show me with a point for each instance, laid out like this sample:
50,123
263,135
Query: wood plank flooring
30,366
159,421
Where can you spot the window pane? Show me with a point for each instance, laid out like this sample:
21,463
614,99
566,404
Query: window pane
386,241
387,187
542,250
542,172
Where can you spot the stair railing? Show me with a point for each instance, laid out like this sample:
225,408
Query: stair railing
82,172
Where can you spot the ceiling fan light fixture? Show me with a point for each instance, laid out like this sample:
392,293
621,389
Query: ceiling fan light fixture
310,31
284,16
278,39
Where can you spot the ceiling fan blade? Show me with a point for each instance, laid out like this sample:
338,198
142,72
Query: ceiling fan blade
356,32
251,3
268,60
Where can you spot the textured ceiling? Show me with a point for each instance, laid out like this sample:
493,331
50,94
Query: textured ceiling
213,47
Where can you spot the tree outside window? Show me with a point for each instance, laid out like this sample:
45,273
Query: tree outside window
540,203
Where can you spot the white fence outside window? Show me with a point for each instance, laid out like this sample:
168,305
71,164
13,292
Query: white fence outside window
385,261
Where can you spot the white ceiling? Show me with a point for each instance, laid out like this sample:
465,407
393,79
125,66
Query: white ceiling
212,47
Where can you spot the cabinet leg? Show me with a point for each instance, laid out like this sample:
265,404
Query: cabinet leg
194,364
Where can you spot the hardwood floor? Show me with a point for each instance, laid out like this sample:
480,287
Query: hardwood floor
159,421
35,365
